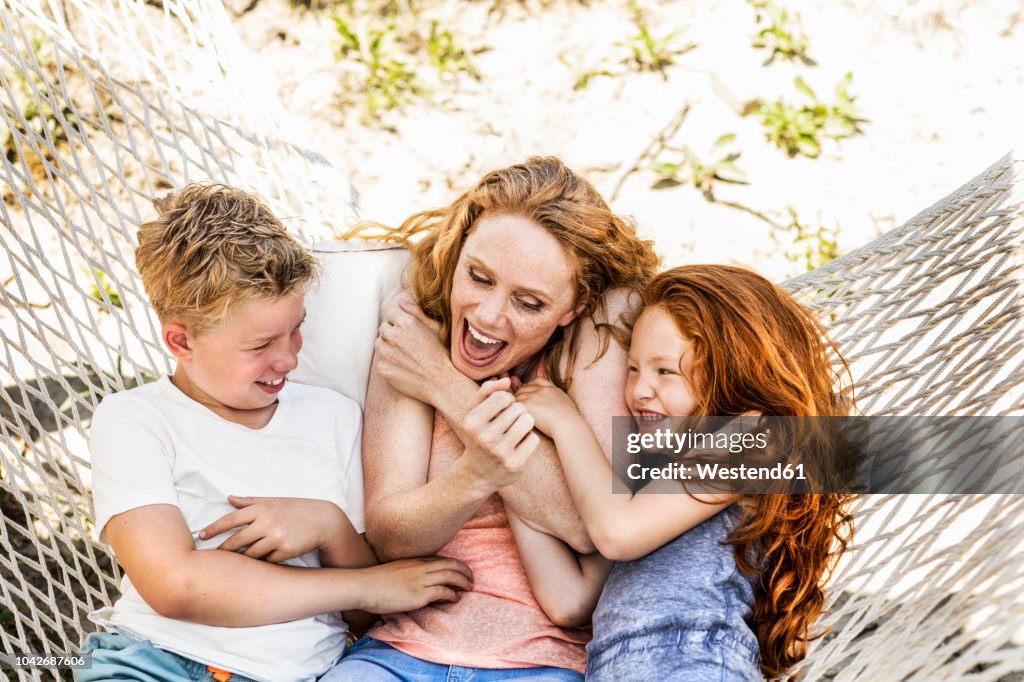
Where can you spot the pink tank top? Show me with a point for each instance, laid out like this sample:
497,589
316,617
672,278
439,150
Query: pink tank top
497,625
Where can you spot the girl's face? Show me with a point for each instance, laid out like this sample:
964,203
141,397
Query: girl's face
660,381
514,285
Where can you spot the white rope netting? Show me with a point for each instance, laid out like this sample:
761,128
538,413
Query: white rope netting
107,105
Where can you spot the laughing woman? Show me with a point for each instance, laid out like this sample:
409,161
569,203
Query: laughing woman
524,275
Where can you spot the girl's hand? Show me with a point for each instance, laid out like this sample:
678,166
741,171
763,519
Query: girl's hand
547,404
278,528
411,584
408,350
498,435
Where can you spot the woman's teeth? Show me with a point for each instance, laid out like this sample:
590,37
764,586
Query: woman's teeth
481,338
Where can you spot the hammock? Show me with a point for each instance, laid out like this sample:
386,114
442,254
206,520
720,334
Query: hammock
102,110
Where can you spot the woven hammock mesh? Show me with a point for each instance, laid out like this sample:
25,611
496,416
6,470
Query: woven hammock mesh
107,105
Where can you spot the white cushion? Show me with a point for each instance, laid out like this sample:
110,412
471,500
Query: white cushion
343,313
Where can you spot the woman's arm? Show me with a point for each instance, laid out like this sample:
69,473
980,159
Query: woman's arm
217,587
407,515
623,526
566,585
410,361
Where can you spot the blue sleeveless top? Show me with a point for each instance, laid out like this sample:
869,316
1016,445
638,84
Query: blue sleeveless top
681,612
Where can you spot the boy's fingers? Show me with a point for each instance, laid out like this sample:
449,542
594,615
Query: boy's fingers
260,549
445,564
242,538
451,579
241,502
226,523
442,593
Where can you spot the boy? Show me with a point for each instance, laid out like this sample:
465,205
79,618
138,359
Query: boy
216,586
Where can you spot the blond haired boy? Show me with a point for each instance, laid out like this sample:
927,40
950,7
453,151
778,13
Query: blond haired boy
216,586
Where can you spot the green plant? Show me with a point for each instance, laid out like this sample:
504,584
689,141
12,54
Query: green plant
703,174
798,129
39,108
446,54
103,290
388,82
651,52
581,74
783,35
804,246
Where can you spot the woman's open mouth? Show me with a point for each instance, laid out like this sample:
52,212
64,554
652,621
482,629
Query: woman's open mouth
479,349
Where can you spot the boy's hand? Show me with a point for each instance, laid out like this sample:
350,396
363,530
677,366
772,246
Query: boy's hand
547,404
277,528
411,584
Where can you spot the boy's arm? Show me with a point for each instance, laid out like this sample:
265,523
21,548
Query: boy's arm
281,528
565,584
217,587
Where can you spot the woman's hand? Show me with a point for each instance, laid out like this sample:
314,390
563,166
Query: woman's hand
547,404
409,354
278,528
498,435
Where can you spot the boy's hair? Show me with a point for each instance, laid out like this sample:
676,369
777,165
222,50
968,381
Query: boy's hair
212,246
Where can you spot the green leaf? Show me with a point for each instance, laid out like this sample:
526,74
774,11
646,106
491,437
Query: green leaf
803,87
723,140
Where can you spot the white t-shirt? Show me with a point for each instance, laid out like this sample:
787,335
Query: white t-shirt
155,445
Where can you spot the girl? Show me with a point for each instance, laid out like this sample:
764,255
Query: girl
712,586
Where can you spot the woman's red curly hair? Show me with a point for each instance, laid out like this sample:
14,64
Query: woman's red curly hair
757,349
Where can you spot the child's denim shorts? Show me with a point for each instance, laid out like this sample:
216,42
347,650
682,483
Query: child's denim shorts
714,655
123,657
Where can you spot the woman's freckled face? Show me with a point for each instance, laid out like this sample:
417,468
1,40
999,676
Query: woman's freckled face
514,285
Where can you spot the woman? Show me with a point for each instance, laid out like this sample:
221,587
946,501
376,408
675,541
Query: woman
522,276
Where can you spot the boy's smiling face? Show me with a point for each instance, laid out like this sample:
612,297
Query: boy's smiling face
237,368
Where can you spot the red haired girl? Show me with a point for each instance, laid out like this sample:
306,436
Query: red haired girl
705,586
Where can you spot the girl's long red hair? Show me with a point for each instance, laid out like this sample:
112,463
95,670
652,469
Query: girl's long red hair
757,349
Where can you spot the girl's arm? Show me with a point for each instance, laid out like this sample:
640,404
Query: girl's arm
565,584
623,526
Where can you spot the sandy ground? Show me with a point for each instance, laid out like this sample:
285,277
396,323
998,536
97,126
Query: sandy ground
939,82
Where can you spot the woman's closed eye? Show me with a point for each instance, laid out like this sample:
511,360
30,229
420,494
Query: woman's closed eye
532,306
478,278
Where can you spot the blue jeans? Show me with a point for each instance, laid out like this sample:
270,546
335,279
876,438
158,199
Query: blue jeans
713,655
123,657
375,661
